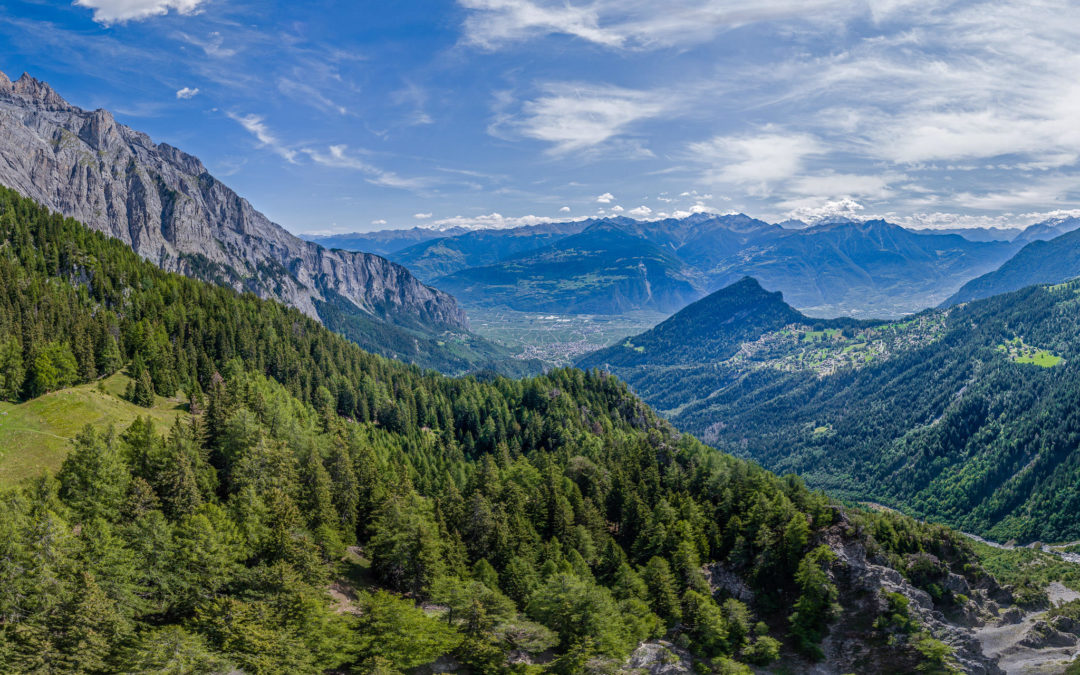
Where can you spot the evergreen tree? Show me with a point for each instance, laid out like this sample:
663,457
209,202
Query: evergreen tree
663,590
54,368
12,373
94,478
405,547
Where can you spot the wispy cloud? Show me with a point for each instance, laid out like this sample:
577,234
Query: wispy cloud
573,117
255,125
757,161
635,24
187,92
338,157
493,221
213,45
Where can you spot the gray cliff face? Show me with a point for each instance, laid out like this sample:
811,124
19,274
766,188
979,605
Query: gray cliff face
165,205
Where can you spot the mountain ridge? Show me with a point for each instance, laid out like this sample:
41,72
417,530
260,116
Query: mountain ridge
165,204
1042,261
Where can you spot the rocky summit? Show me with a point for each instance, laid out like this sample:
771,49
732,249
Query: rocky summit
166,205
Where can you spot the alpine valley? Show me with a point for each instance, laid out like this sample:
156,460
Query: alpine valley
699,443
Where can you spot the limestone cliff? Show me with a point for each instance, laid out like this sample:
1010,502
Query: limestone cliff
166,205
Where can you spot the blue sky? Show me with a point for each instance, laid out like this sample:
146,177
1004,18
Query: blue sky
357,115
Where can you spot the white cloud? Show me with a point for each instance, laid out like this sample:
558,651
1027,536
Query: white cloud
634,24
640,212
575,116
334,156
686,213
378,221
422,216
492,221
213,45
497,21
605,198
565,209
187,92
817,212
757,161
338,157
258,128
120,11
617,209
946,220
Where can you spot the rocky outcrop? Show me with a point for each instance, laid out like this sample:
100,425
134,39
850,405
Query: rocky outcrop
862,581
659,657
166,205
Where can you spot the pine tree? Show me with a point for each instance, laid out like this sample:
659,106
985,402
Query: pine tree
663,589
143,393
94,478
12,373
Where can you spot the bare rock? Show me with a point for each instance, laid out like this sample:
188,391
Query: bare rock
723,580
1065,624
660,657
1011,616
166,205
1042,635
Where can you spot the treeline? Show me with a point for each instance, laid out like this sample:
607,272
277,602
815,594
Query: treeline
554,520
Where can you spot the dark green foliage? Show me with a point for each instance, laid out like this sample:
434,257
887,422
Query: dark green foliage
557,512
395,633
942,422
816,605
710,329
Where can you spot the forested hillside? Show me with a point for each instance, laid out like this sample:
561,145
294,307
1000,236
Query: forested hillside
1040,262
967,415
542,525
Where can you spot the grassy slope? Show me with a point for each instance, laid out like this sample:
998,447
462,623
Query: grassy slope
37,434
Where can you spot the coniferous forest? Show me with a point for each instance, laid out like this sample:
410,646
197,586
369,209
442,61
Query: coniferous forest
323,509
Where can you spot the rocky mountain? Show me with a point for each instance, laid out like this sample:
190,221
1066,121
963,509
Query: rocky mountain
1040,262
965,415
1048,229
166,205
602,270
975,233
862,269
477,248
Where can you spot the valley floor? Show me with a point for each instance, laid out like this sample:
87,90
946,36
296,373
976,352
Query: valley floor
557,339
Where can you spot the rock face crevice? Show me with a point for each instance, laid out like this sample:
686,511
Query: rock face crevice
168,208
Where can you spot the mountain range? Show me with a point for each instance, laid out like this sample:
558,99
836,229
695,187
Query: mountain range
165,205
382,242
313,507
614,265
965,415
